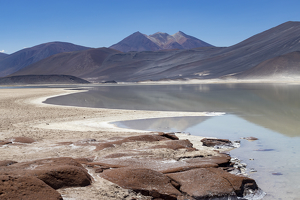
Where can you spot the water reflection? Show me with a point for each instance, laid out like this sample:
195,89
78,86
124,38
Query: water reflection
274,106
167,124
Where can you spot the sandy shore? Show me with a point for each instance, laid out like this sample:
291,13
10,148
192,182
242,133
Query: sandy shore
24,114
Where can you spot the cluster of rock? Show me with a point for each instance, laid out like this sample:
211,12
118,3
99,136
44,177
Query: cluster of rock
188,174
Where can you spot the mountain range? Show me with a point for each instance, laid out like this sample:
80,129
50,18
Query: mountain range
274,51
158,41
20,59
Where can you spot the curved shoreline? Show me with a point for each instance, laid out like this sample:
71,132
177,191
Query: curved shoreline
24,114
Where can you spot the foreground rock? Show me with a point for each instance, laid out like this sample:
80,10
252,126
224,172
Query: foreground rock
26,188
38,179
207,183
147,182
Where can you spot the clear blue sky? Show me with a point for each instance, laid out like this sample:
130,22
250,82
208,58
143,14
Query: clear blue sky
101,23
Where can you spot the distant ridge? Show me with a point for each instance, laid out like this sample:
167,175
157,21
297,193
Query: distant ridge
76,63
25,57
41,79
158,41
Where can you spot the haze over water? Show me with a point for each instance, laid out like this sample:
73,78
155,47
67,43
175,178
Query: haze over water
270,112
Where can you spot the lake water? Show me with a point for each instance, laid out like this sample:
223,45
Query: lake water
270,112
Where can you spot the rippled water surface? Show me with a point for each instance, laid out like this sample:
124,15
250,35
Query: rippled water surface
270,112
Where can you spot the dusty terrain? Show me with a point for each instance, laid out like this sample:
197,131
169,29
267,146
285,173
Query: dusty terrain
64,131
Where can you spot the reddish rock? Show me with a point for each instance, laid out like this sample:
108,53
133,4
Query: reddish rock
63,176
209,183
250,138
4,142
102,146
22,140
222,160
56,172
145,181
213,142
176,144
164,165
118,155
144,138
139,138
7,162
84,160
168,135
99,170
26,188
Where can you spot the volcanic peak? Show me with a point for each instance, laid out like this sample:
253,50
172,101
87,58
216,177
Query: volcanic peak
158,41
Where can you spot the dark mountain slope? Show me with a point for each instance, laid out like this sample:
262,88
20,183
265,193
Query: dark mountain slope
136,42
2,56
285,65
69,63
137,66
25,57
277,41
41,79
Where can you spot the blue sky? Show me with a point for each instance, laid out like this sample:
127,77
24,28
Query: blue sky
102,23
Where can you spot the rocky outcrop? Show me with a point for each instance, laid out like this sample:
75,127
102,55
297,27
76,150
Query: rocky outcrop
207,183
26,188
146,181
56,172
195,177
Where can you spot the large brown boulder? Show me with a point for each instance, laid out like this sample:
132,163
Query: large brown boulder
145,181
56,172
26,188
209,183
157,164
163,165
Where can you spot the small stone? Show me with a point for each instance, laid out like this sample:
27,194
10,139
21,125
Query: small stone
253,170
264,150
277,173
250,138
99,170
